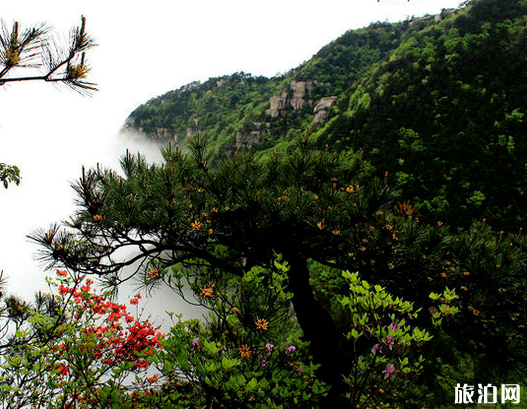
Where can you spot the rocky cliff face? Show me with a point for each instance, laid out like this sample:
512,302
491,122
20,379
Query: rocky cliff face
321,109
294,100
298,95
252,137
300,100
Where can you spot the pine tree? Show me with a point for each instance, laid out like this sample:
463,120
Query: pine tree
308,205
240,213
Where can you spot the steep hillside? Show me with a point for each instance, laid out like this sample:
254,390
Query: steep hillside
437,102
444,115
240,109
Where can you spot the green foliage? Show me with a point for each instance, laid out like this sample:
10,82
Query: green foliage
490,268
248,353
220,107
82,348
381,322
228,217
34,48
205,225
225,107
75,347
445,116
438,104
9,174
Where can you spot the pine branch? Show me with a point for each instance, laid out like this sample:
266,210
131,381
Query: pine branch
65,66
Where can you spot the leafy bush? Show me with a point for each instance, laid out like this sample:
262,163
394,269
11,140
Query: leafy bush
80,351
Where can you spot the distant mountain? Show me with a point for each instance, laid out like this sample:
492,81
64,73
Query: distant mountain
438,102
241,109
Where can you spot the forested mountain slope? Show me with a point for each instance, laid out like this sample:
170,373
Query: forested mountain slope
241,109
437,102
444,115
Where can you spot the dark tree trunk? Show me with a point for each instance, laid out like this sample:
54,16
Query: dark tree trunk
318,327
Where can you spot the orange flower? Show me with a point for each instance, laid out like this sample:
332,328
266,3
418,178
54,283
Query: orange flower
321,226
474,311
336,232
196,225
12,56
207,292
97,217
245,351
154,273
261,324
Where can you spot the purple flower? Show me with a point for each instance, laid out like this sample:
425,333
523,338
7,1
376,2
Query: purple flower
389,341
290,350
262,362
269,348
195,342
394,327
388,371
376,348
298,370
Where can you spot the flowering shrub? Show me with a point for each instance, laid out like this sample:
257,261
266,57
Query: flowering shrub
249,354
84,350
79,353
380,329
221,370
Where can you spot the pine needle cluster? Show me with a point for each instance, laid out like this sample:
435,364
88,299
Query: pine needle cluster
33,48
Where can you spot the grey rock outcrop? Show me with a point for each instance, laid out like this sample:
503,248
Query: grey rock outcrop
321,109
252,136
160,133
278,106
295,99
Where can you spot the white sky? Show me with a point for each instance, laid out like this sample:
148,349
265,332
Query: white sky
146,48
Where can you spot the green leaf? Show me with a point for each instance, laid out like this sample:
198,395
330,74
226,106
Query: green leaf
228,363
434,296
251,385
355,334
